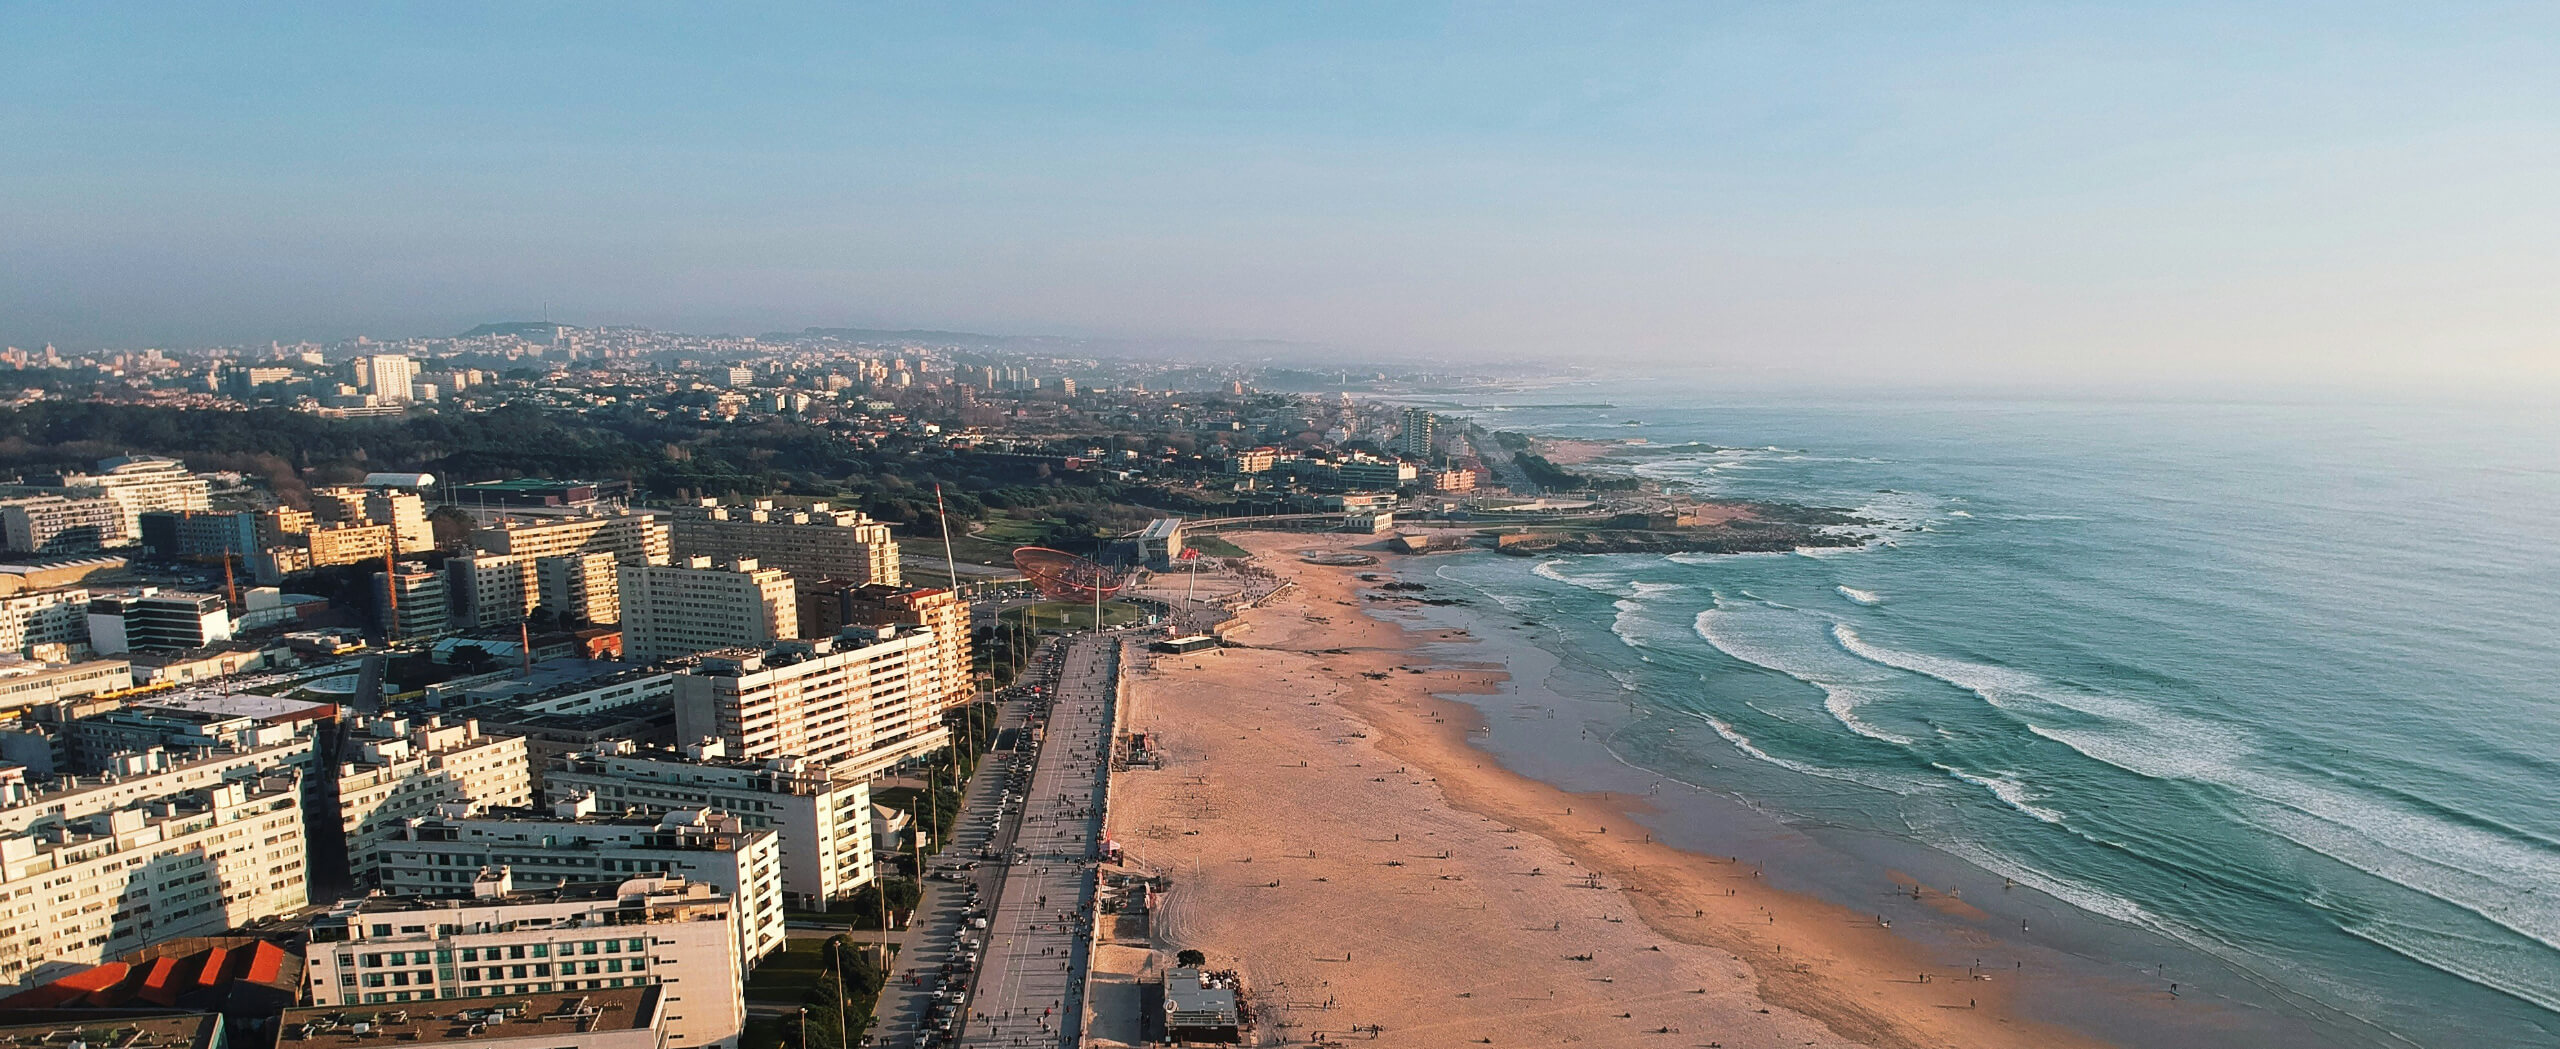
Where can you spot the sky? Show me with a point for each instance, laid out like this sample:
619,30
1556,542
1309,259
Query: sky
1966,193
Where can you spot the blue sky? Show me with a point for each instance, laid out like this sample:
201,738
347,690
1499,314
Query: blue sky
2176,193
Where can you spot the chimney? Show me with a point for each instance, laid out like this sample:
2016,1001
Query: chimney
493,882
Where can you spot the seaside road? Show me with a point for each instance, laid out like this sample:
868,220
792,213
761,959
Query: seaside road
1030,990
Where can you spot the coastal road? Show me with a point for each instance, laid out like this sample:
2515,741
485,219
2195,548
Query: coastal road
1030,988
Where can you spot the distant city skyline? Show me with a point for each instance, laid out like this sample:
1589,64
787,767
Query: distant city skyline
2184,195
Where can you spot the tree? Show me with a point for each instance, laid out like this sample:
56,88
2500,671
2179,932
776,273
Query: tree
1190,959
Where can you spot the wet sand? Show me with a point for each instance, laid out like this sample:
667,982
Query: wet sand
1331,832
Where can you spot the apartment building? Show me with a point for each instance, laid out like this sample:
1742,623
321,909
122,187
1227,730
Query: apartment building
413,601
581,585
828,607
84,883
613,1018
493,590
675,935
349,544
44,617
627,535
404,513
678,610
399,770
138,483
815,543
51,524
822,816
861,703
571,844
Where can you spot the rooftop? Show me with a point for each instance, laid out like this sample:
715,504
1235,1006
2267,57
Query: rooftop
474,1020
68,1028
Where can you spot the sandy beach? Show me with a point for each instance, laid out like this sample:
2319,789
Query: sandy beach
1330,832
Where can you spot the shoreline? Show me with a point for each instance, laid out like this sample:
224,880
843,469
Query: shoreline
1639,939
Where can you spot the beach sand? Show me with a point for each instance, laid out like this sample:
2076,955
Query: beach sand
1330,832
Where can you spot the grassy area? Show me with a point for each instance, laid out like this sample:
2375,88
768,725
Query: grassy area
1057,615
1212,546
790,974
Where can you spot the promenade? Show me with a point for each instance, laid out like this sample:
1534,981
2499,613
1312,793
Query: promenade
1030,986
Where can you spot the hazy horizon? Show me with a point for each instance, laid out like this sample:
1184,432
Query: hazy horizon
2181,196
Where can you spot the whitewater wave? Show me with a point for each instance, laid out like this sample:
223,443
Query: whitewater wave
2481,871
1845,685
2010,792
1864,597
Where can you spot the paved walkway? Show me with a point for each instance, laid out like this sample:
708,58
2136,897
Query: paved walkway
1030,988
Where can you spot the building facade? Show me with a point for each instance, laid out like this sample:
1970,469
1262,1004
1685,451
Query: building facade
398,771
679,610
627,535
862,705
823,818
815,543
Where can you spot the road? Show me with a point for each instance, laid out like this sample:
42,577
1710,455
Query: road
1030,988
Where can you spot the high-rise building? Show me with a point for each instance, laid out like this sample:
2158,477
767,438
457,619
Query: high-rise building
862,703
440,855
498,941
678,610
389,377
349,544
404,512
822,816
44,617
200,533
815,543
1419,433
587,586
413,599
628,536
398,771
830,606
92,869
493,590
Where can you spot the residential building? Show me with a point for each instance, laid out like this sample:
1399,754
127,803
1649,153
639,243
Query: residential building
442,855
413,601
1365,472
951,675
821,815
404,512
612,1018
665,932
626,535
492,590
199,533
44,617
1456,479
678,610
48,524
153,619
584,586
389,378
397,771
39,684
815,543
862,704
1420,436
349,544
1254,460
137,483
86,874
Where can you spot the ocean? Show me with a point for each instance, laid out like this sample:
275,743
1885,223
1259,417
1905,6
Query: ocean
2253,699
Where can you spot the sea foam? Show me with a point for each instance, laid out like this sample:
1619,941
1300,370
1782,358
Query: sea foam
1864,597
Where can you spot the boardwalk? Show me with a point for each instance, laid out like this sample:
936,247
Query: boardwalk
1030,988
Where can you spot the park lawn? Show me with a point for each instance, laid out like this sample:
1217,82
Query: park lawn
1068,615
1212,546
789,975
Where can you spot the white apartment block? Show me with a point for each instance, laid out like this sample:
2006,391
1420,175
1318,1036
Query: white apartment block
400,771
136,483
443,855
497,942
44,617
54,523
822,817
816,543
585,585
626,535
679,610
860,705
85,884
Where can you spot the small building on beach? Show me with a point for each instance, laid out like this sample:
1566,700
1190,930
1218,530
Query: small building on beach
1199,1007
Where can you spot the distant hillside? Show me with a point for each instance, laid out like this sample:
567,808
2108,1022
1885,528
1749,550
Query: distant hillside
517,328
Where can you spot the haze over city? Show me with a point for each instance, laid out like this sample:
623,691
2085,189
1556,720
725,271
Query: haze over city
2182,195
